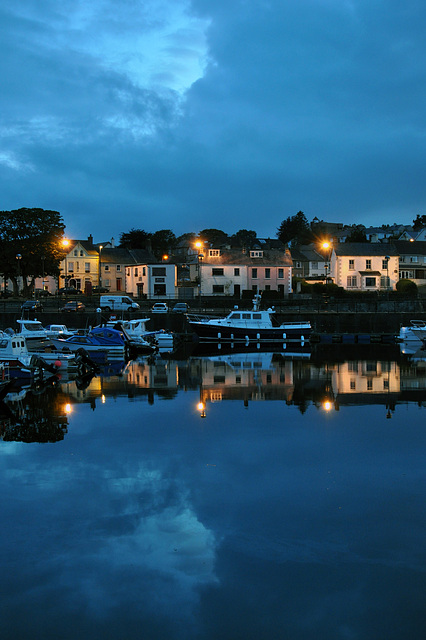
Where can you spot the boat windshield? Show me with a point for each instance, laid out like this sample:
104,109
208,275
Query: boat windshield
32,326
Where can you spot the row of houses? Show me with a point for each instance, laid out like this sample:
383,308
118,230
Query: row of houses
227,271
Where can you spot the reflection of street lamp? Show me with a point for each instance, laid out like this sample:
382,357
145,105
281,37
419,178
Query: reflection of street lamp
202,409
100,266
19,258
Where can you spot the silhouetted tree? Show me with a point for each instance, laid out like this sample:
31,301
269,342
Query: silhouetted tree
295,230
163,242
34,234
244,238
357,234
419,222
134,239
214,236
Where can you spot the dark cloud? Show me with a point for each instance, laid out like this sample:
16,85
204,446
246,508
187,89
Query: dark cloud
315,105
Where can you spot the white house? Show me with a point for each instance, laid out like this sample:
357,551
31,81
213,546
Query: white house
152,280
365,266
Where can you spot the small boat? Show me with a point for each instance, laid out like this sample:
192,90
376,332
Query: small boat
59,331
101,340
33,332
249,326
414,332
16,359
145,341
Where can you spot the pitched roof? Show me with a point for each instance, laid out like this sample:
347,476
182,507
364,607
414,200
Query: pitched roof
365,249
412,248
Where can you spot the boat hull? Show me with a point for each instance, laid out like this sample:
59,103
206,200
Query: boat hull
207,332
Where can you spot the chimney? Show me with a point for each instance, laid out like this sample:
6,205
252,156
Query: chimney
112,243
90,240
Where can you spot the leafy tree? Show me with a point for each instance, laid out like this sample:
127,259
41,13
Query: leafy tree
35,235
134,239
295,230
244,238
357,234
163,242
419,222
214,236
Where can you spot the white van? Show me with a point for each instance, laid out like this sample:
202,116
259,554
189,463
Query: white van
118,303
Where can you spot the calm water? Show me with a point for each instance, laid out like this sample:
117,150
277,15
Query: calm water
293,510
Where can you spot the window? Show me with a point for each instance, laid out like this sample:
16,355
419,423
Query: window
370,282
256,254
158,271
384,282
369,384
384,264
144,271
267,287
77,266
385,385
351,265
314,264
70,267
118,267
254,273
254,288
368,264
214,253
75,252
106,267
280,273
81,254
414,259
136,271
267,274
218,288
87,267
351,282
409,275
236,272
217,272
352,385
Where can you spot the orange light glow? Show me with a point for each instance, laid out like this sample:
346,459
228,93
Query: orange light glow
327,406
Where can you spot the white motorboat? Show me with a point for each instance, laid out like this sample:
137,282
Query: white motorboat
33,332
249,326
59,331
414,332
136,331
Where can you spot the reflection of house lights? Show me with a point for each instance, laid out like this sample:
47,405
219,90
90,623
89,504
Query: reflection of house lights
67,408
103,399
327,405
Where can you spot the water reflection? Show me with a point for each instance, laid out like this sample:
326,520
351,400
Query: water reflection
275,516
244,377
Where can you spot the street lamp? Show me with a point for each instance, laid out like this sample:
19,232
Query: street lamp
19,258
327,247
199,246
100,266
65,244
387,258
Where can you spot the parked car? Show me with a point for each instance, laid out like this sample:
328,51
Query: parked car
32,305
68,291
100,290
73,306
42,293
180,307
160,307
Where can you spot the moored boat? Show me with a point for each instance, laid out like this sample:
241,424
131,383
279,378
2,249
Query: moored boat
414,332
100,340
249,326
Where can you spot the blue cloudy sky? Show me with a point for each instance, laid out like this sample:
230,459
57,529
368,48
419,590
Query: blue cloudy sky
187,114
